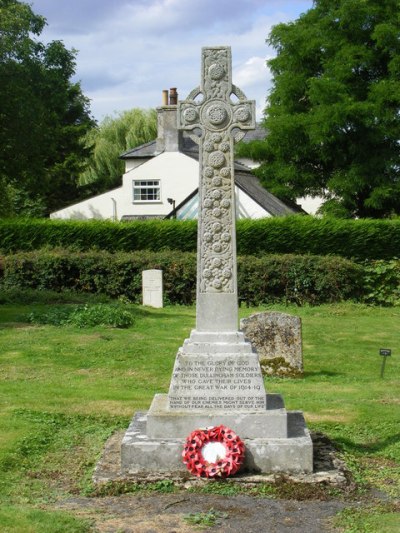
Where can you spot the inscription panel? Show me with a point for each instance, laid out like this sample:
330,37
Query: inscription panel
229,382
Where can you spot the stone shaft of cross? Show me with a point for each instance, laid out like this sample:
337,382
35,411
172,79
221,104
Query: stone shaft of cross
210,110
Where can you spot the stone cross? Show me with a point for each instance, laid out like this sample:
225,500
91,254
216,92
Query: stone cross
221,121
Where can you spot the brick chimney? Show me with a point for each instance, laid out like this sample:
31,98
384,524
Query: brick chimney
168,136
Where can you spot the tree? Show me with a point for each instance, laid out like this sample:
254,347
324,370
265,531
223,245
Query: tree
43,115
113,137
333,114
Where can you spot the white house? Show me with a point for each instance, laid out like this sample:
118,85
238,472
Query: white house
161,181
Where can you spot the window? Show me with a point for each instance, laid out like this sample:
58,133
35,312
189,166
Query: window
146,190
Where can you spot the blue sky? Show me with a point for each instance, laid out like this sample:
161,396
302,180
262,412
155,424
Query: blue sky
130,50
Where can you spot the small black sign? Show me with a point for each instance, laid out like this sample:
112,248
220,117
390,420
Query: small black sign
385,352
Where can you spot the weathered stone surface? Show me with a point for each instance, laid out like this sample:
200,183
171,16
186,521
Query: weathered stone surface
271,422
142,454
152,287
277,339
222,122
216,371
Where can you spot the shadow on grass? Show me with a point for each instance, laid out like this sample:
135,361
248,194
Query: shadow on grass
372,447
322,373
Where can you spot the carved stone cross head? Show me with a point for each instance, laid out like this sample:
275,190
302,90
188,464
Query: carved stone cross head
209,107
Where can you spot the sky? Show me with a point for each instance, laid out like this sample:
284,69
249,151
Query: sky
128,51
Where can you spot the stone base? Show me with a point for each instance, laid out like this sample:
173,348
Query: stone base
282,444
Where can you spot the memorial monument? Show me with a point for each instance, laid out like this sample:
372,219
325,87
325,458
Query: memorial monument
217,377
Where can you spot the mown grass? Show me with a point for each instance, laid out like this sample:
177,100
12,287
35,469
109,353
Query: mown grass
64,390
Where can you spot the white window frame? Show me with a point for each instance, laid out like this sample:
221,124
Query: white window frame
143,185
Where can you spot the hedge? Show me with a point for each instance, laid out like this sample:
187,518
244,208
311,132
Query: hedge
354,239
261,280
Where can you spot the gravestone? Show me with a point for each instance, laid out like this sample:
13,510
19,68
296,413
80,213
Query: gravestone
152,288
217,377
277,339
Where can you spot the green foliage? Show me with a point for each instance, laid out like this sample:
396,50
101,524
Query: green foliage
86,316
354,239
290,278
43,117
382,282
209,518
333,117
114,136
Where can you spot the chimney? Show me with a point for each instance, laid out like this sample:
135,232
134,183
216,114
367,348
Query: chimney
168,136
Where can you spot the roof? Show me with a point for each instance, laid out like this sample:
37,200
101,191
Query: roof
188,146
244,178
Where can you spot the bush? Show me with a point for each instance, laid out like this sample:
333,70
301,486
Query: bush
86,316
382,282
270,278
358,239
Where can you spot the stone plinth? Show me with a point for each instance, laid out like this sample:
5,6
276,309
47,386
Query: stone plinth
216,371
217,380
267,449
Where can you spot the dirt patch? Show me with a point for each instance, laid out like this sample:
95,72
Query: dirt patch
303,503
164,513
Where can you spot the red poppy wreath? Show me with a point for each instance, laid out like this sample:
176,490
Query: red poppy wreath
213,452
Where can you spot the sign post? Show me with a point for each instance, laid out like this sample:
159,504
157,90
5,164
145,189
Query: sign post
385,353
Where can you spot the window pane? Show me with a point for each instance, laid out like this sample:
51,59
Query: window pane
146,190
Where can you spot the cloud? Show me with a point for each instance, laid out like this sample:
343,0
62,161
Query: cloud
129,50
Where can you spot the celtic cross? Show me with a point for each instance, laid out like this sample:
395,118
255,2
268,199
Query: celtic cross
221,122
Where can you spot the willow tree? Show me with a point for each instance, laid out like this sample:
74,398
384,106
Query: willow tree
109,140
333,114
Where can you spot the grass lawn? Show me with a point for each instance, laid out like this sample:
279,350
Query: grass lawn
64,390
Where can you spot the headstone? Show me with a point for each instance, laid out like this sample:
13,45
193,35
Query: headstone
217,376
277,340
152,288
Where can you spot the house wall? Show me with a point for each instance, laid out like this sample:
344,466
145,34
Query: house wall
178,175
246,207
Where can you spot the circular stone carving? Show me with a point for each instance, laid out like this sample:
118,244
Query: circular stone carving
225,203
216,71
208,237
225,172
242,114
207,273
217,262
190,114
216,114
226,237
217,247
208,146
216,194
227,273
208,202
216,138
216,159
225,146
217,283
217,212
217,181
217,227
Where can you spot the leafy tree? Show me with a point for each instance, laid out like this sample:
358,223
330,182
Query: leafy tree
114,136
333,114
43,116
